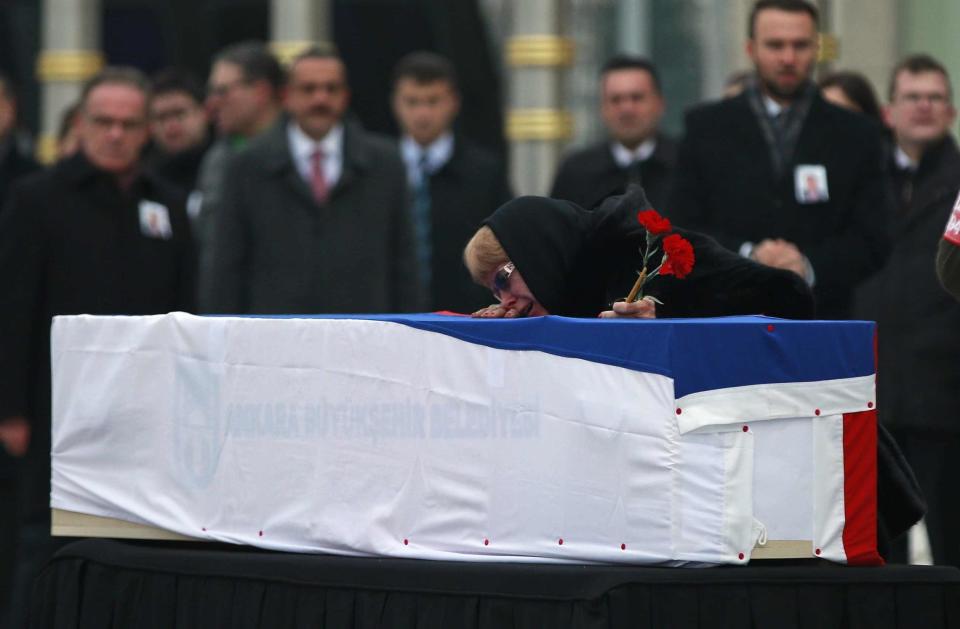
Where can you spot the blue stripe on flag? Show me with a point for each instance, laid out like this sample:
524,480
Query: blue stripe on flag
699,354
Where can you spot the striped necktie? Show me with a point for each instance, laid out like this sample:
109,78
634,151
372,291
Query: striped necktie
318,181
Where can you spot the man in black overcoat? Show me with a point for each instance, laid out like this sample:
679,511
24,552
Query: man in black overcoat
918,384
631,105
14,164
780,175
95,234
454,183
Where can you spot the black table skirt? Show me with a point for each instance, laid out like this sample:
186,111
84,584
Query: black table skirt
107,583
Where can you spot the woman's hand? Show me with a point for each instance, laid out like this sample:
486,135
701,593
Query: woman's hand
496,311
646,308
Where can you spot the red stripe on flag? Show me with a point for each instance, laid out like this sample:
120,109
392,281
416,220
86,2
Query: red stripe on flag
860,488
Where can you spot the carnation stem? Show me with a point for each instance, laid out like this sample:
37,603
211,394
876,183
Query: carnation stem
641,278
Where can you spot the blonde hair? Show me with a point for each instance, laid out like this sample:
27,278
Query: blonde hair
483,255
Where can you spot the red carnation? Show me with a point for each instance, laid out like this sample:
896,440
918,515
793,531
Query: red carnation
679,256
653,222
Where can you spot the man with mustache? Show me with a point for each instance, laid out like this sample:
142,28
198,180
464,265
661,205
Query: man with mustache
315,219
780,175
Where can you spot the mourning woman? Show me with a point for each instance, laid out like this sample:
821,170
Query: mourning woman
545,256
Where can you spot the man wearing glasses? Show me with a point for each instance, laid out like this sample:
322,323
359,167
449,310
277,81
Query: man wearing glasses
243,97
179,127
919,339
94,234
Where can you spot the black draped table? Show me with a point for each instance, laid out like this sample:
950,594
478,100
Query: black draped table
108,583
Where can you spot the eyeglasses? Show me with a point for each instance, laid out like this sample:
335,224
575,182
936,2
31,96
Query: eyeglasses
915,98
105,123
502,279
172,115
219,91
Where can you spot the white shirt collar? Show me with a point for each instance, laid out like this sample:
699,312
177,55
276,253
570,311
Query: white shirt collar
437,154
773,108
904,161
624,156
302,147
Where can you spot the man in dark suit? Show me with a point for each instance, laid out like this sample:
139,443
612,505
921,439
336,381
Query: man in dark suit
780,175
13,165
918,384
95,234
455,183
315,217
631,105
13,162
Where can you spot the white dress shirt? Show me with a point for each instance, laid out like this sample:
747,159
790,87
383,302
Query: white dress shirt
437,154
904,161
624,156
302,148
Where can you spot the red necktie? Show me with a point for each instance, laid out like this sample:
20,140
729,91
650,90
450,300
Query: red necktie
318,183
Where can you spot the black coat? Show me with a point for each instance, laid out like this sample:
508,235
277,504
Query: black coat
71,243
590,175
725,186
918,322
463,192
179,169
13,165
948,267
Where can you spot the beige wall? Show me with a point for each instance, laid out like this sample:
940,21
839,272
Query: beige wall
932,26
867,34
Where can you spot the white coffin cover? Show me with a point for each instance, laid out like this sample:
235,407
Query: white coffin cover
436,437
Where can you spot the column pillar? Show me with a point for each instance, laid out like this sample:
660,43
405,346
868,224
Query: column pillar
70,55
298,24
537,127
634,27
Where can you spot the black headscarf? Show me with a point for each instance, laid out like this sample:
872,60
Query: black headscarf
577,262
546,239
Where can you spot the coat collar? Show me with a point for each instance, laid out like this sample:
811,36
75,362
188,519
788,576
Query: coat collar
936,175
81,172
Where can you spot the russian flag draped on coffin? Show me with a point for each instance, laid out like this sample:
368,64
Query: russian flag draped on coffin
442,437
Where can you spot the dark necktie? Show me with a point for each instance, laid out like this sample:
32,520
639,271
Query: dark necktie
422,222
904,180
633,172
779,125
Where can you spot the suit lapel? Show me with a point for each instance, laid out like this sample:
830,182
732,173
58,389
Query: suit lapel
751,134
292,180
356,159
813,134
279,164
941,182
